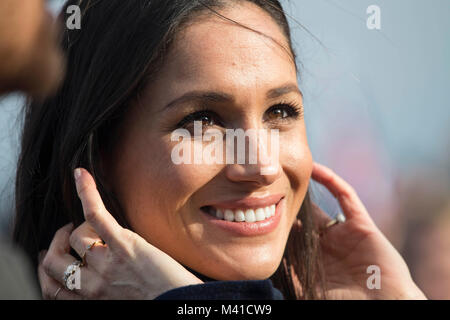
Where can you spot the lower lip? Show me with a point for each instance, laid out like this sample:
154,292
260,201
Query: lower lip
249,228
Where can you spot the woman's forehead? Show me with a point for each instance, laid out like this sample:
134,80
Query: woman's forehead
217,48
241,69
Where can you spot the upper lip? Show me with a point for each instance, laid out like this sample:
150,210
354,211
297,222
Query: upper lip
248,203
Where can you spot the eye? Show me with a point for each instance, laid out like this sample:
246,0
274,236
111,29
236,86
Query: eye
208,119
283,111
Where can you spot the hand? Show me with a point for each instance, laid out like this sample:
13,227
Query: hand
125,267
349,248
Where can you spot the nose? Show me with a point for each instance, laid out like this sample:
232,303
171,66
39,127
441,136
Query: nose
264,168
253,173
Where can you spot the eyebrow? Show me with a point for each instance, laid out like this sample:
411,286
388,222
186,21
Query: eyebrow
221,97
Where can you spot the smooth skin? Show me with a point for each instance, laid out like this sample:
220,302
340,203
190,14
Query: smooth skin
169,231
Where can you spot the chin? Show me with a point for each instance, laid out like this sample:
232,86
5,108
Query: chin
254,273
244,269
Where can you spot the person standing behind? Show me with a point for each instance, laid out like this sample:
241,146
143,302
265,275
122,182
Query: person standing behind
30,59
30,62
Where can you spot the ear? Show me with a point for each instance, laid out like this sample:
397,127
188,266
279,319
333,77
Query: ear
297,225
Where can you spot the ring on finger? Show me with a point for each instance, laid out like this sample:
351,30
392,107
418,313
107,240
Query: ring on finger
57,291
71,274
89,247
340,218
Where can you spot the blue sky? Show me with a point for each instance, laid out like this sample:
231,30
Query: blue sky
393,82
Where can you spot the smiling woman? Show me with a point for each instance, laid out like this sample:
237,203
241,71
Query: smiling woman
165,225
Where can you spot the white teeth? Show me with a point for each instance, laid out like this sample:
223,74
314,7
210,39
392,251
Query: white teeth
229,215
239,215
267,212
244,215
272,209
250,215
260,215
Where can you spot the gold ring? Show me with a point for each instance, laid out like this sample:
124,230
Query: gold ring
340,218
331,223
56,293
89,247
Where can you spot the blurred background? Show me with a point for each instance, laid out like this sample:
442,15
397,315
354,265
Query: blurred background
377,105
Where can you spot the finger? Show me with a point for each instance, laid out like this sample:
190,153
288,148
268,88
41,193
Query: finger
50,287
96,257
344,193
83,237
58,253
54,268
55,265
60,243
92,251
94,210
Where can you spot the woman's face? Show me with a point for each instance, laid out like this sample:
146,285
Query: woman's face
250,83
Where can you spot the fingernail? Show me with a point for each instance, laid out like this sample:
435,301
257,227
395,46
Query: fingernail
77,173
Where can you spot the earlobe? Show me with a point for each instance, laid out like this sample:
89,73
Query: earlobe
297,225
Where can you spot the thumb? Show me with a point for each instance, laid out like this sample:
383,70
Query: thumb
94,210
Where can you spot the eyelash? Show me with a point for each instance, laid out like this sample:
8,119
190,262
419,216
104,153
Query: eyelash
292,109
195,116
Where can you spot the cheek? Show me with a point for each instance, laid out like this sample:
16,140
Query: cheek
154,188
296,159
181,180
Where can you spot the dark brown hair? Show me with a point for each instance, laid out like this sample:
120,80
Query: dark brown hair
72,129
